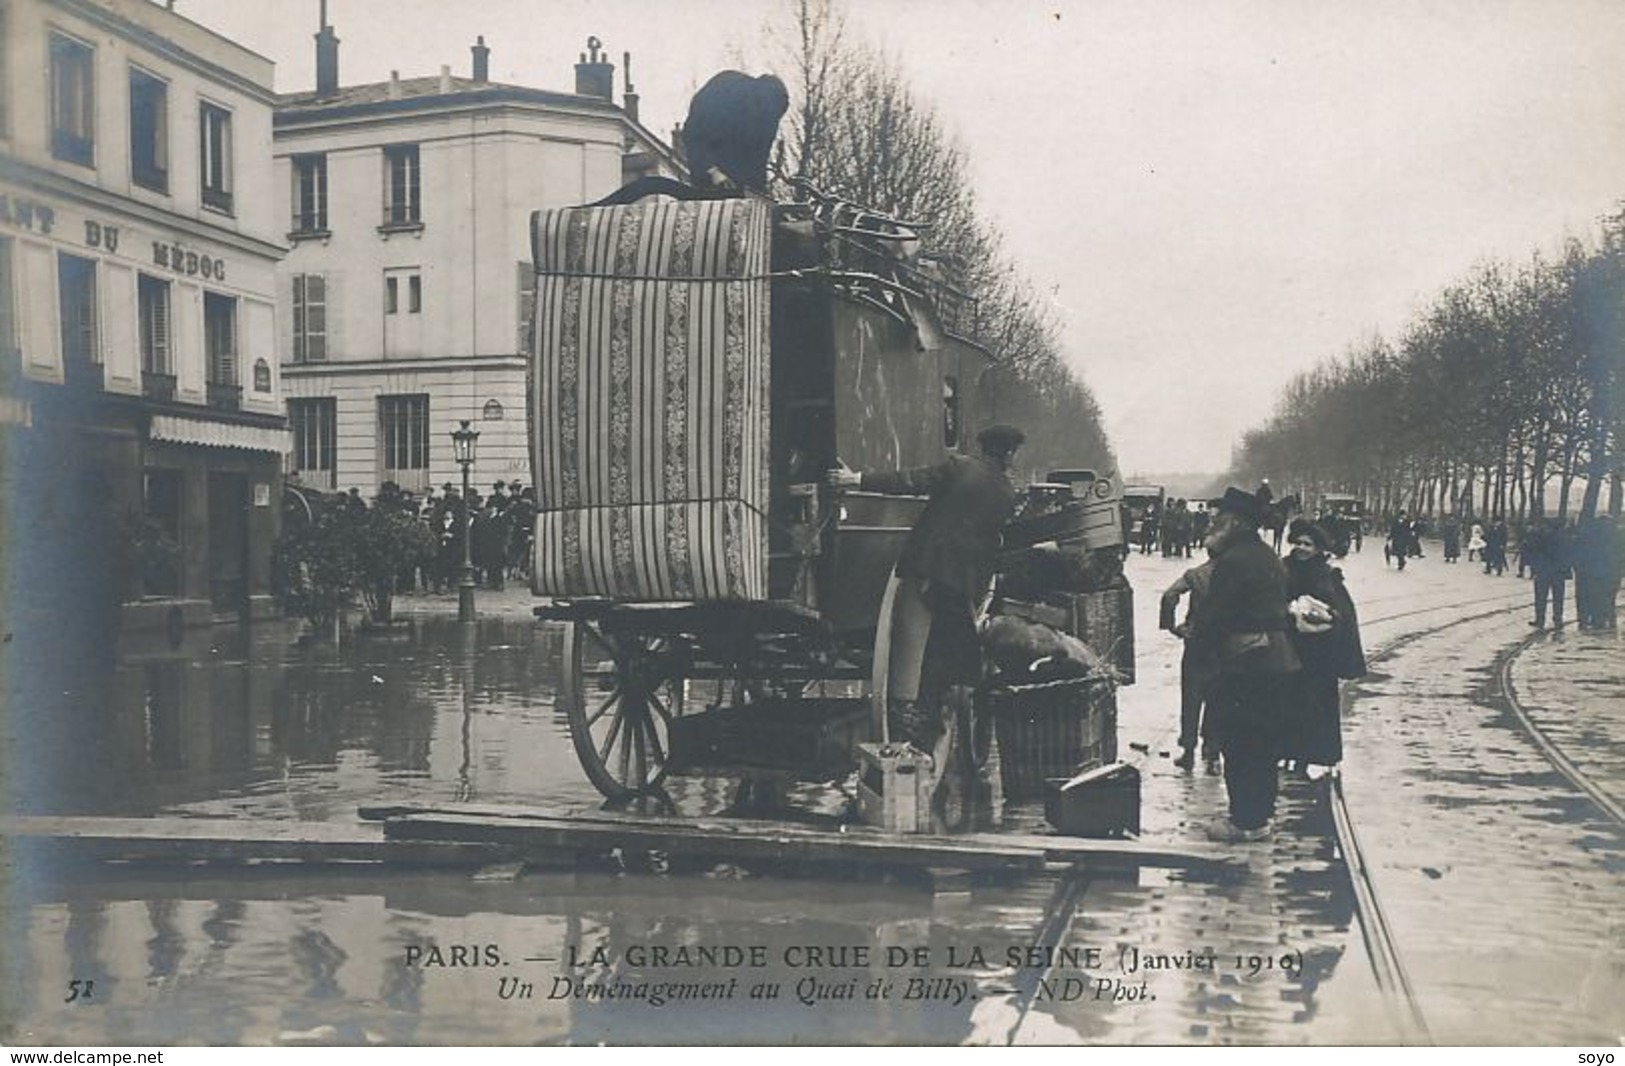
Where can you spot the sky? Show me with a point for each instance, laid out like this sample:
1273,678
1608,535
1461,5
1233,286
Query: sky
1215,194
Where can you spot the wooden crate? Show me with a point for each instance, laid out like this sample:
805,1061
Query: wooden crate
1051,730
1105,621
894,788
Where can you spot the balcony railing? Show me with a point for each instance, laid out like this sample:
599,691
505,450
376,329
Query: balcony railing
81,373
156,386
225,397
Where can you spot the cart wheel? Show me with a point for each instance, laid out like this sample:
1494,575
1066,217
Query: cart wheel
620,694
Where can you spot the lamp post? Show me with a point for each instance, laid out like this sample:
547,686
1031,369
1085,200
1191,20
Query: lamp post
462,442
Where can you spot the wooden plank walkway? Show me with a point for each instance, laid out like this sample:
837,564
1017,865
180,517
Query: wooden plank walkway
240,840
484,835
739,838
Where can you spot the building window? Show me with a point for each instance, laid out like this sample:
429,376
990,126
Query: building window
394,281
76,296
5,71
220,348
214,125
315,423
950,412
149,131
10,347
73,100
309,318
403,440
309,194
527,300
402,190
153,304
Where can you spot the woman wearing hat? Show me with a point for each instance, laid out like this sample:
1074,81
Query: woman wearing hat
1326,636
1242,625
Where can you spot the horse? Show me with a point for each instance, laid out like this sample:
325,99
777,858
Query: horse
1277,514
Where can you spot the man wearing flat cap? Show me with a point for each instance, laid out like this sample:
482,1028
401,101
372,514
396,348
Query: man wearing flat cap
1242,625
943,571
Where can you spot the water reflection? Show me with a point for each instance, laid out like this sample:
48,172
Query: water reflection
247,721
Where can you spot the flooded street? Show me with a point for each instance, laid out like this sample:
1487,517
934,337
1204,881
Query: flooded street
253,725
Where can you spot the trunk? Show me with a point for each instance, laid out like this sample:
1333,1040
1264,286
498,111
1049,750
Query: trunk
1597,471
1501,486
1616,494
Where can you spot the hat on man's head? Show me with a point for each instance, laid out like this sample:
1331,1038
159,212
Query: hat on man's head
1302,527
1243,505
1001,438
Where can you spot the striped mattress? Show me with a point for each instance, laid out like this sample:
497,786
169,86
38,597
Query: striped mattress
649,383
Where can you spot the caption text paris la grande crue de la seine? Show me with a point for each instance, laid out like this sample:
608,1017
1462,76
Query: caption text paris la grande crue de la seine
657,975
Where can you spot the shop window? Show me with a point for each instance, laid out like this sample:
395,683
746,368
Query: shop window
149,131
314,422
214,149
403,440
73,100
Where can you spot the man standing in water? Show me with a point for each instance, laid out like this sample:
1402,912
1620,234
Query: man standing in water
1242,624
943,571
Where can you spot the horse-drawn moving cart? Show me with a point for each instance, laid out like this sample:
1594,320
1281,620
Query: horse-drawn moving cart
696,367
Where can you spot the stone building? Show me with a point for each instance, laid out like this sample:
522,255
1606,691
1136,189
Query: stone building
141,417
406,204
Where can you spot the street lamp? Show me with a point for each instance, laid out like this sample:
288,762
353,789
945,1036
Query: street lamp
462,443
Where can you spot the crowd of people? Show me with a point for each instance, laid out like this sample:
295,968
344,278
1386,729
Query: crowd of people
1268,639
1175,528
500,532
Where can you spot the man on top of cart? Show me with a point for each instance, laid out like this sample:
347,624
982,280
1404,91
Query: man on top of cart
943,571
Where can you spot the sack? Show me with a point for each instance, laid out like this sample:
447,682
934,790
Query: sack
1234,647
1310,615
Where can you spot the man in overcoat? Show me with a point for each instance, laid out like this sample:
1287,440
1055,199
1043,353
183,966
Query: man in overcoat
943,571
1242,624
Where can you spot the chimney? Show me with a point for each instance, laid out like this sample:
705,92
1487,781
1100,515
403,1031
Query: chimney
327,58
594,77
482,60
445,79
394,90
630,98
677,142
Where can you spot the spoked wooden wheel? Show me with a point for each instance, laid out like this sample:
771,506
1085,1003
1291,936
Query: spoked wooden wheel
620,694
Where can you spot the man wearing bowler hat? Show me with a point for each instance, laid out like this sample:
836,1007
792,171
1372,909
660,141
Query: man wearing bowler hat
1242,625
944,569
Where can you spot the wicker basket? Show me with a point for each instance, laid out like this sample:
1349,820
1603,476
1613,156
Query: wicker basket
1050,730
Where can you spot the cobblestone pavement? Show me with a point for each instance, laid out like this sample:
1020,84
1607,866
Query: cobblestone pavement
1500,879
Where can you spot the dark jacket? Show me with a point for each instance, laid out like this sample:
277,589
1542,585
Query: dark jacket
1247,598
955,541
1338,652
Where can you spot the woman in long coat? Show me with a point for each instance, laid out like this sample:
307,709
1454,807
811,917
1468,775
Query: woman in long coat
1326,636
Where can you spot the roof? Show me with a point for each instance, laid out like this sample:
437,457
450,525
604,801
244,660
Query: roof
414,94
407,93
